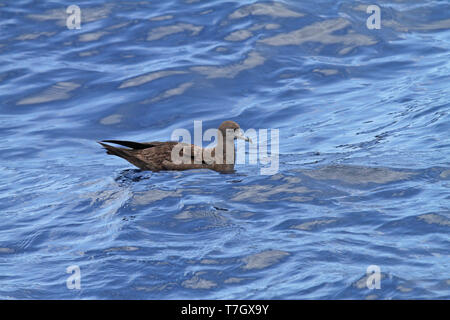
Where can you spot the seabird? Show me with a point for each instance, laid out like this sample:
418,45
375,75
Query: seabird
171,155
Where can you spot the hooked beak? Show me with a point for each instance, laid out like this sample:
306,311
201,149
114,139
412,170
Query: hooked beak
242,137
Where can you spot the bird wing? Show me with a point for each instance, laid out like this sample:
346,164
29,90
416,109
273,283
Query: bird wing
152,155
135,145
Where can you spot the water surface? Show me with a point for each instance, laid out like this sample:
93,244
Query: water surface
364,165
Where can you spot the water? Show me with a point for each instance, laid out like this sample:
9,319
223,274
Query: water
364,165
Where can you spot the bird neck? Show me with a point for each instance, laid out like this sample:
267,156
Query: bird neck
225,153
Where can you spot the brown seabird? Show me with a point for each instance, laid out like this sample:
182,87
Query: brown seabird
171,155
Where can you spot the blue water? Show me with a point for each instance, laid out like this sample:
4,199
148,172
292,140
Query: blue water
364,154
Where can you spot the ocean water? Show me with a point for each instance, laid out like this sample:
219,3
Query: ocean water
363,177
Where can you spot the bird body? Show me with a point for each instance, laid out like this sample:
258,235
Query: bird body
171,155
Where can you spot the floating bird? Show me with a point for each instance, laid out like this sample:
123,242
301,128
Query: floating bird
171,155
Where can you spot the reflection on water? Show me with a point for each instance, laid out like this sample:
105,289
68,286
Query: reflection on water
265,9
322,32
253,59
358,174
58,91
263,259
147,78
162,32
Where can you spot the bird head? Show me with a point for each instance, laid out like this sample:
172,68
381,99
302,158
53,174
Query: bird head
229,127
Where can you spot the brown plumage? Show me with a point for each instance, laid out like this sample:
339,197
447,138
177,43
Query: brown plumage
157,156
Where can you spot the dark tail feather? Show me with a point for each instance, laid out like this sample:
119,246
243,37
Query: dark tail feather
129,144
125,154
115,151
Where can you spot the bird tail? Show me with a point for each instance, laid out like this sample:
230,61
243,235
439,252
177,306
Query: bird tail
125,154
114,151
130,144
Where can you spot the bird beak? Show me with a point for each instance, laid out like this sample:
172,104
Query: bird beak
242,137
